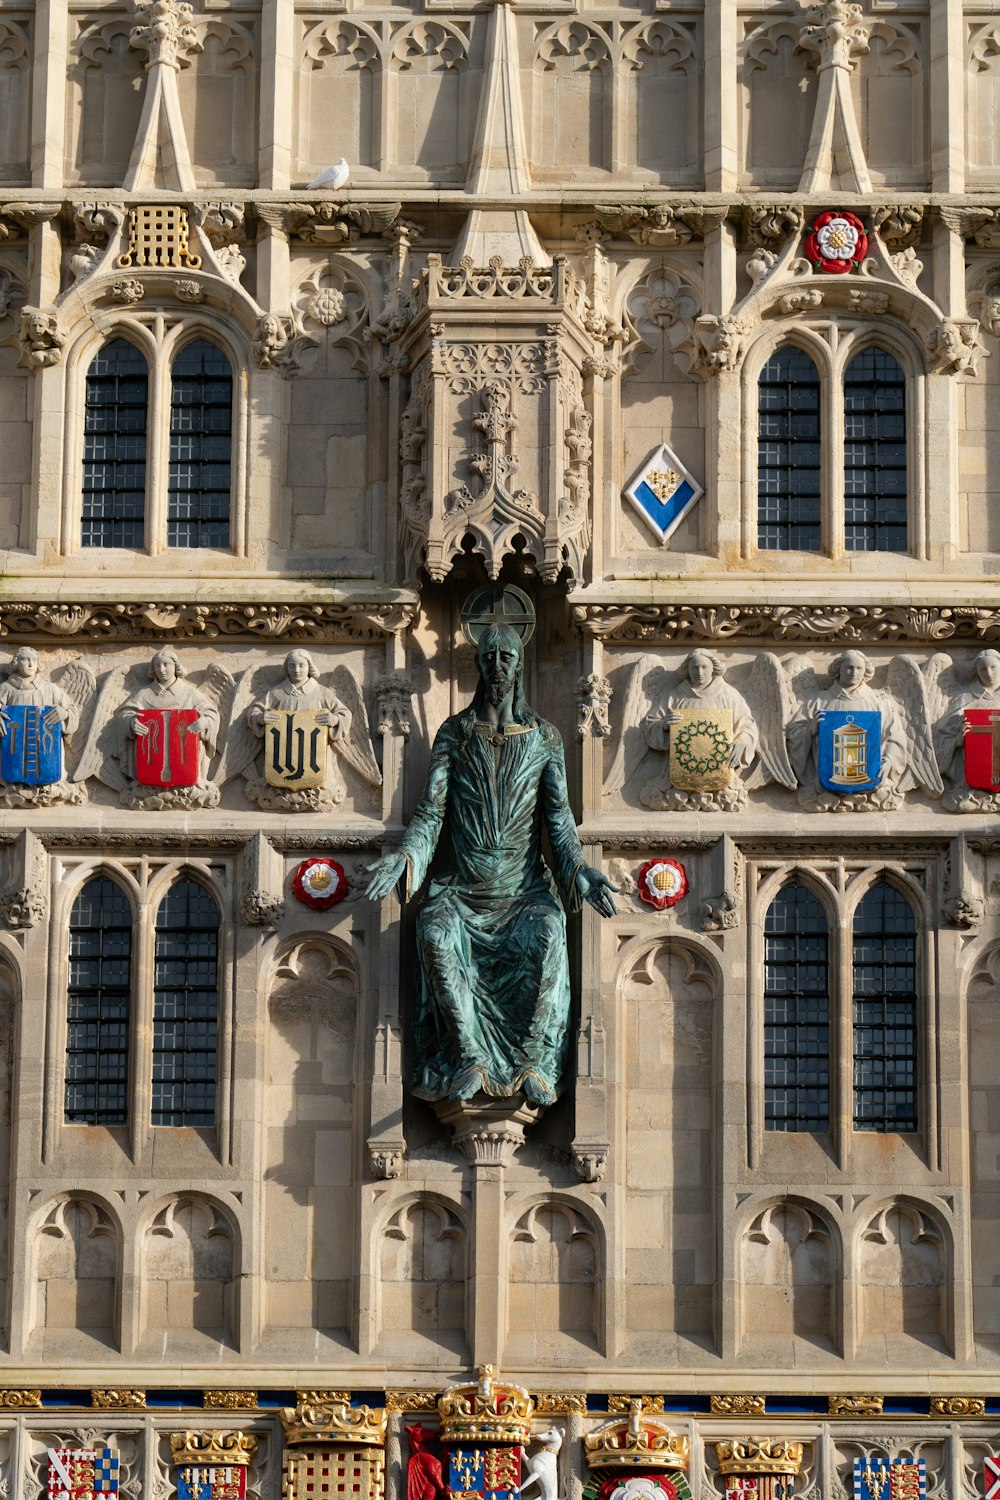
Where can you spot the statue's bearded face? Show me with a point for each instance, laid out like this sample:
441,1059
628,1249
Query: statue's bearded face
499,663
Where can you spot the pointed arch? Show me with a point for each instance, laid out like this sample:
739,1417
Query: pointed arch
116,404
796,1011
99,1005
199,494
885,1010
875,460
789,434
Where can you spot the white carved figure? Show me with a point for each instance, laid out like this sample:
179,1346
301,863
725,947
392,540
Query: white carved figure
154,742
142,719
703,719
906,748
951,693
38,714
543,1465
300,719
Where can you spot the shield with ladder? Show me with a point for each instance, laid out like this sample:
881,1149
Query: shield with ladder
31,747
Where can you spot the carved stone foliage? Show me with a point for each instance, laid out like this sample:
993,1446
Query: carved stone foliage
663,305
495,442
357,622
682,624
165,31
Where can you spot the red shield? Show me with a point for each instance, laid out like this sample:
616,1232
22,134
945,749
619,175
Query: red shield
168,754
982,748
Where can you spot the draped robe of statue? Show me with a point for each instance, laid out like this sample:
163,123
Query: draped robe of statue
493,1001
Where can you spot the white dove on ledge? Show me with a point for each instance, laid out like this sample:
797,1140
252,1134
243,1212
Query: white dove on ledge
332,177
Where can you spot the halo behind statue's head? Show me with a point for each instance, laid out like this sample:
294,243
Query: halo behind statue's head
496,604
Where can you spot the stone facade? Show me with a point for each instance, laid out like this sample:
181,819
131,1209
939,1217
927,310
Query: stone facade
570,233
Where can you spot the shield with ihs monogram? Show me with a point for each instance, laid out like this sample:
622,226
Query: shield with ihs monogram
295,749
167,754
31,748
489,1473
701,743
982,748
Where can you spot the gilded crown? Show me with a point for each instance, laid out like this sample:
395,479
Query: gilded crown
759,1455
333,1422
212,1448
640,1441
489,1412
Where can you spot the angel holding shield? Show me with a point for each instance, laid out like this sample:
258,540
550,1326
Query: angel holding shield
967,734
142,720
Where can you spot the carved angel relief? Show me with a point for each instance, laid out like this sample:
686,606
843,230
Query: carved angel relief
39,716
965,708
172,743
841,742
300,721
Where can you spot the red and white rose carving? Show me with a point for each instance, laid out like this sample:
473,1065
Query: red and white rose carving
837,242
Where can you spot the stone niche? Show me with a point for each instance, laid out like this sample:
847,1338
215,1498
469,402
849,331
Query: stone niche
495,440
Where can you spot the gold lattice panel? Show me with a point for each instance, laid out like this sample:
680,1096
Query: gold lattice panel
158,236
324,1471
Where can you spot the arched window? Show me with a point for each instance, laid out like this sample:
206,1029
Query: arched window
796,1013
885,1011
185,1006
788,453
114,448
874,454
98,1005
201,442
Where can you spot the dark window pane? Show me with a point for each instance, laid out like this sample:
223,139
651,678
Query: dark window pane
201,427
788,453
874,454
185,1006
114,448
796,1013
98,1004
885,1012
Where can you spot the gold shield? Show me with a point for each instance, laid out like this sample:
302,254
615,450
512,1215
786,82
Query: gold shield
295,750
701,743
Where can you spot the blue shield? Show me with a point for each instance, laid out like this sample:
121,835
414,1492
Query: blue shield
31,749
849,752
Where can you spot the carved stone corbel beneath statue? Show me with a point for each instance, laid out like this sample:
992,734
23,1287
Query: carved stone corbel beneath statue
487,1134
386,1158
591,1161
24,900
964,905
392,704
262,872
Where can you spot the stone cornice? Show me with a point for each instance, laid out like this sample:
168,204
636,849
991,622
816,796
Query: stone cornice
352,622
833,624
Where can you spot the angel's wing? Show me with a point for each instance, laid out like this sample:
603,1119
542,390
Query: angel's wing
238,743
220,686
356,748
906,683
943,692
97,757
770,696
632,744
78,681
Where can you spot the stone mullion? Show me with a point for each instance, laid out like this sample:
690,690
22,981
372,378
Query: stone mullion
277,117
489,1263
48,99
832,471
721,404
946,81
140,1093
721,99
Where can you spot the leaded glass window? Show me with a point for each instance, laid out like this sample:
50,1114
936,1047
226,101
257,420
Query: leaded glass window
98,1005
885,1012
788,453
185,1006
201,441
874,454
114,448
796,1013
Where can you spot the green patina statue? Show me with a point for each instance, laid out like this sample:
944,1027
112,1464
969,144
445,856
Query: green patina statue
493,1006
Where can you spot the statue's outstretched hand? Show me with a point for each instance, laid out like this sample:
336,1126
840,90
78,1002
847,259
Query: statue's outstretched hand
596,888
383,874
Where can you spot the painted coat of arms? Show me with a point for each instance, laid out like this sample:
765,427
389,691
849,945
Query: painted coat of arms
878,1479
212,1482
31,751
701,745
167,755
849,750
759,1486
981,746
493,1473
79,1473
991,1477
295,748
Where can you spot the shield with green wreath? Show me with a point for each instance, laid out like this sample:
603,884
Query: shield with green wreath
701,742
